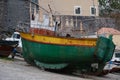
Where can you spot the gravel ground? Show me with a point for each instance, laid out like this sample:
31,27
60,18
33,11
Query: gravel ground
18,69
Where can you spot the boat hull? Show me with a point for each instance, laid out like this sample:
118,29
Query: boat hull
6,47
66,52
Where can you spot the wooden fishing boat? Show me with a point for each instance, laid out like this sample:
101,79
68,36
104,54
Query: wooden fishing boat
51,52
6,47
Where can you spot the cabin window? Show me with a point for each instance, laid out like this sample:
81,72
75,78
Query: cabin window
93,10
77,10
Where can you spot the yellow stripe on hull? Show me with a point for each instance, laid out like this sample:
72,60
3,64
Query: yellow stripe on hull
59,40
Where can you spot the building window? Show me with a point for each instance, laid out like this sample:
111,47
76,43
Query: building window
93,11
77,10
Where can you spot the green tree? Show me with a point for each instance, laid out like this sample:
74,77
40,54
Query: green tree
115,4
109,6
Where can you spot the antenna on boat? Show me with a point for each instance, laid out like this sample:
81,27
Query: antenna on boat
51,17
50,9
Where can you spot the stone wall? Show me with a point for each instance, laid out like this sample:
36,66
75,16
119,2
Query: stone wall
2,14
17,12
14,12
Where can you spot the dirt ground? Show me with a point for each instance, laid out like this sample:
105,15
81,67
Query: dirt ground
18,69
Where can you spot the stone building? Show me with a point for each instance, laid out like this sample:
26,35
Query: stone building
2,14
12,13
72,7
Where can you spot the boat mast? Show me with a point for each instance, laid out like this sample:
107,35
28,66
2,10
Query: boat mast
51,17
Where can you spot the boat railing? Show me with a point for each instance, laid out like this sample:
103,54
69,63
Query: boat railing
74,25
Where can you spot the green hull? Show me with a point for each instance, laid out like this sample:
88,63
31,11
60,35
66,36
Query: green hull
55,56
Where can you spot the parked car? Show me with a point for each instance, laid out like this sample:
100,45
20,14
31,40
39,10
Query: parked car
116,57
114,64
